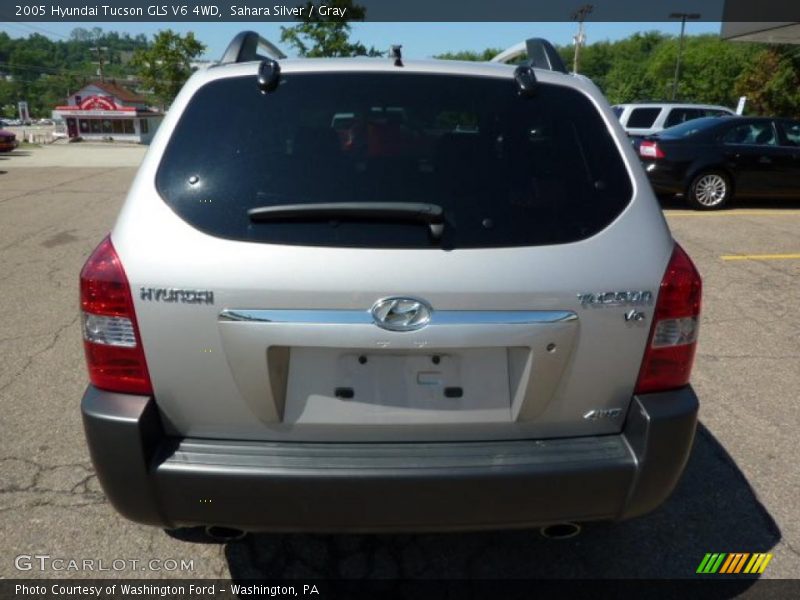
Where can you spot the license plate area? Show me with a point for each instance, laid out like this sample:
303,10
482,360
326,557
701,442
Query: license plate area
353,386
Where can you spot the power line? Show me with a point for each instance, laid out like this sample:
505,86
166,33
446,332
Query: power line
45,70
45,31
60,71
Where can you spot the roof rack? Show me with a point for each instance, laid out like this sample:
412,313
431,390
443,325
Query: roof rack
248,46
541,55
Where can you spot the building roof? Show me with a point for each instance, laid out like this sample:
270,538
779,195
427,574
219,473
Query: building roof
118,91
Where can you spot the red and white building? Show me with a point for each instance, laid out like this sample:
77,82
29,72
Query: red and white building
104,110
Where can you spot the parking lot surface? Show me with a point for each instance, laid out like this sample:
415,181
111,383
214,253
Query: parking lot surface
739,492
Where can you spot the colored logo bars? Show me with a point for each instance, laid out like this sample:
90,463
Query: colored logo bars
735,562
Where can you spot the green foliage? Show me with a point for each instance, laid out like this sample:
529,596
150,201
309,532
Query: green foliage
713,71
487,54
315,37
772,82
165,65
642,67
44,72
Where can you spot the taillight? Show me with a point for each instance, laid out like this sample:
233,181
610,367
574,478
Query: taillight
114,353
668,358
648,149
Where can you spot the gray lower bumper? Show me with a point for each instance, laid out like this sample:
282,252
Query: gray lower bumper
154,479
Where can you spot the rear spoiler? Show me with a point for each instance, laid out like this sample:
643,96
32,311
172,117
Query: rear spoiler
541,55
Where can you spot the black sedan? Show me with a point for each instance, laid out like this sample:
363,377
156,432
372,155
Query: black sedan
710,160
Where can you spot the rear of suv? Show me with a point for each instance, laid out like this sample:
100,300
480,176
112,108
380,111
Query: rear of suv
459,307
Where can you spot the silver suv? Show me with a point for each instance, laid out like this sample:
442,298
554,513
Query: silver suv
459,307
648,118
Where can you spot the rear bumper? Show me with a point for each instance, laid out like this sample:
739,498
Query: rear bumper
666,177
153,479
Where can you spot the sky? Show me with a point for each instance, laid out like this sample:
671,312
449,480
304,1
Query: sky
419,40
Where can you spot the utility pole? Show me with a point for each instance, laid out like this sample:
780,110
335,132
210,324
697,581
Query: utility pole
683,17
580,38
99,62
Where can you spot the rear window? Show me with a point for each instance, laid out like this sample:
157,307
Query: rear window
682,115
689,128
506,170
642,118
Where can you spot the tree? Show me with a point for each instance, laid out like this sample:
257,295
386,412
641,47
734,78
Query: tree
621,71
709,69
487,54
772,82
315,37
166,65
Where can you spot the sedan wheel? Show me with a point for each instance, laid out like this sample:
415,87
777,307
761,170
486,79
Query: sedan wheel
710,191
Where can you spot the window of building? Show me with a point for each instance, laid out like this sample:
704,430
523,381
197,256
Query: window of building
107,127
144,126
96,125
83,124
116,126
127,126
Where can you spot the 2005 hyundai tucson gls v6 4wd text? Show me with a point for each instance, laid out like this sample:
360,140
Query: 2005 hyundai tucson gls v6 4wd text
388,295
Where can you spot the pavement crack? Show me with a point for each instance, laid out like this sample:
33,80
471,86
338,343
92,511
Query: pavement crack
30,359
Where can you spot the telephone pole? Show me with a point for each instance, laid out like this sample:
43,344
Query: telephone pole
580,38
100,50
683,17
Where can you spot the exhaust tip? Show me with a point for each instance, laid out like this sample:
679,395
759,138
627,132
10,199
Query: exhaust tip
222,534
560,531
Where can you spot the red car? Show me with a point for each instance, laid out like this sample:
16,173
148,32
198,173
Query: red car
8,141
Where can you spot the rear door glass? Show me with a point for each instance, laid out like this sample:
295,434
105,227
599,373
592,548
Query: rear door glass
507,170
681,115
642,118
791,130
753,134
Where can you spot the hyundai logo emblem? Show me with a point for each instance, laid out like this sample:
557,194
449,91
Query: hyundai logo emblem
401,314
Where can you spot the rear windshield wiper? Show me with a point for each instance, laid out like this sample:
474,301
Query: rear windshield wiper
431,214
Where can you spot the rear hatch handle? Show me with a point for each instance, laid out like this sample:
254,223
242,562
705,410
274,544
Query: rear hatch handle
430,214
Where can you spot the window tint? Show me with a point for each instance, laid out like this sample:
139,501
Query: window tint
791,131
507,170
642,118
681,115
690,128
758,134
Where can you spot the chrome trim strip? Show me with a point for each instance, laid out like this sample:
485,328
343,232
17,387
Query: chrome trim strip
363,317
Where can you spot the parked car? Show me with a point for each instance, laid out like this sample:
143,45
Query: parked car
646,118
710,161
60,129
8,141
468,330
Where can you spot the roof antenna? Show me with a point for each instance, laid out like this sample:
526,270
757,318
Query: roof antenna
397,54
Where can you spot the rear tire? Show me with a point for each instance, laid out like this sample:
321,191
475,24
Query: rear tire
709,190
